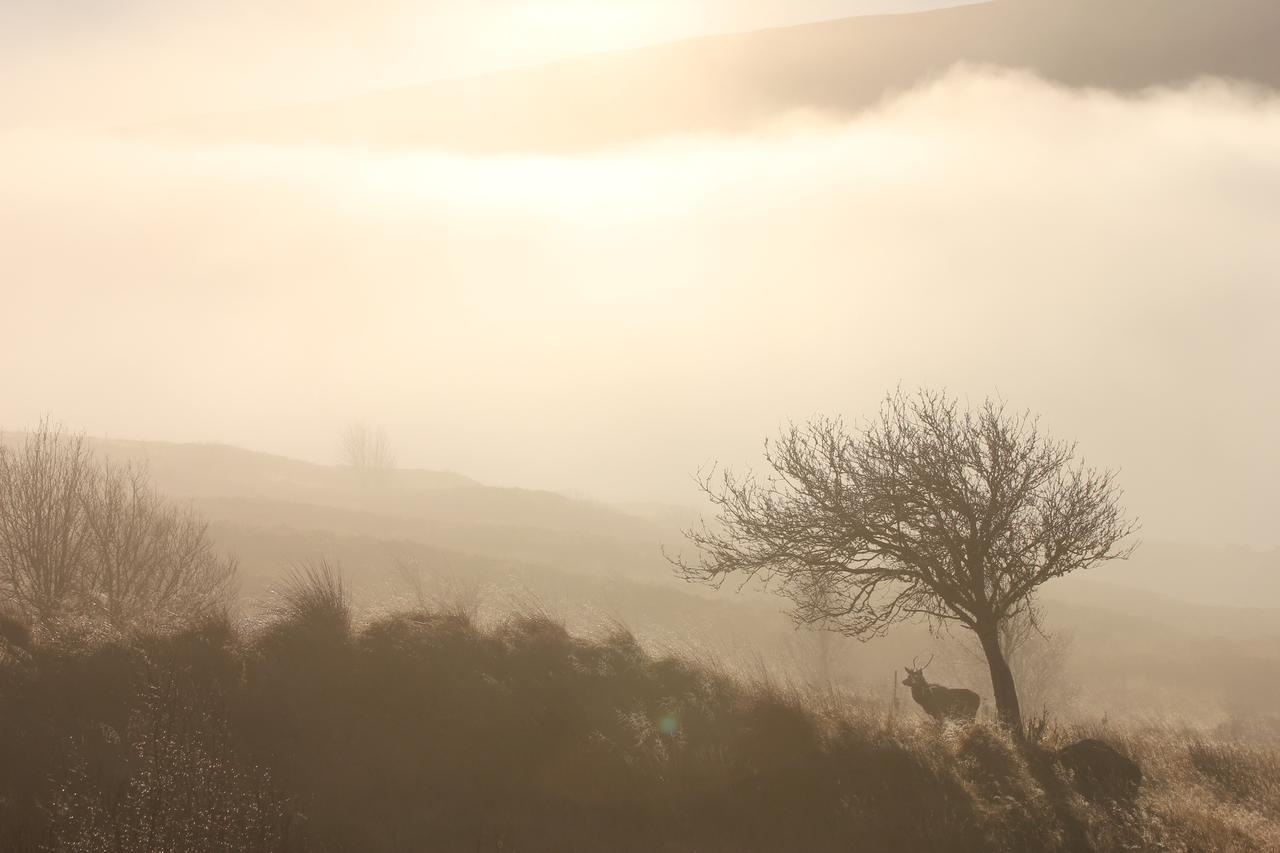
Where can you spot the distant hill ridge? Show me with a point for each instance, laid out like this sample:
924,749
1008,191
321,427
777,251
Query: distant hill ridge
736,82
248,494
196,469
1202,619
242,490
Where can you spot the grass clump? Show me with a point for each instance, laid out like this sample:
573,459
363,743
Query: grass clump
313,599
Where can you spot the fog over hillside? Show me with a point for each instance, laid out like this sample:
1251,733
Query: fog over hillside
737,83
574,324
85,64
239,490
577,284
642,425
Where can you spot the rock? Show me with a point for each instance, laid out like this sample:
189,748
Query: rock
1100,772
14,632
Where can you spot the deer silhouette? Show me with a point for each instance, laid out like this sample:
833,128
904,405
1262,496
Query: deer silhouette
941,703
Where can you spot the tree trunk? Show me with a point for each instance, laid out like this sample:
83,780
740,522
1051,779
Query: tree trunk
1001,680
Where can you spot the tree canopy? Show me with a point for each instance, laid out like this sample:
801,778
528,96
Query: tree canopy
935,510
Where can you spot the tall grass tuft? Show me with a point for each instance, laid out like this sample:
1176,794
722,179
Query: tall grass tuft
314,598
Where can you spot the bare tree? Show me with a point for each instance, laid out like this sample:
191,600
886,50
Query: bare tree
151,561
952,514
367,449
44,537
84,538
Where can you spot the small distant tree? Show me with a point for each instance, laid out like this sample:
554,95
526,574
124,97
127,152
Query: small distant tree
1040,661
1038,657
367,449
951,514
78,537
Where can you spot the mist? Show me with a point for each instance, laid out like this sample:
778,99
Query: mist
368,370
607,324
89,64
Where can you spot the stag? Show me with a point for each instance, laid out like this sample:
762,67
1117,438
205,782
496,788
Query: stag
941,703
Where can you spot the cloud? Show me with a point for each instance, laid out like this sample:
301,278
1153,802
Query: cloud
88,63
608,323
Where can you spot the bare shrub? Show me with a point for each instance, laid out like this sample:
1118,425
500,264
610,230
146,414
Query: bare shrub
82,539
44,532
151,561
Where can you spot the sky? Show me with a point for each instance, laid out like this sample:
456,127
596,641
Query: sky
90,63
606,324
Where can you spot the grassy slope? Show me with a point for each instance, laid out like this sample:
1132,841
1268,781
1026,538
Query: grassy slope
733,83
424,732
1133,651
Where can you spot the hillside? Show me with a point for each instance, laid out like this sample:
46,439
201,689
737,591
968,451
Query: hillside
204,470
1186,630
736,82
425,731
244,493
241,489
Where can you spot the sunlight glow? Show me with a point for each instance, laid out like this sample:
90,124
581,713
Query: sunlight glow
564,27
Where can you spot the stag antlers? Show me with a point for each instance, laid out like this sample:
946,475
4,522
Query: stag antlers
916,660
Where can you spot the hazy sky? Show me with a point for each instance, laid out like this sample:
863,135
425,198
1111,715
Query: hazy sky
90,62
607,324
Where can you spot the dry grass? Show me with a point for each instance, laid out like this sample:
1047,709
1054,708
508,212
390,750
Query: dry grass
314,596
1201,792
424,731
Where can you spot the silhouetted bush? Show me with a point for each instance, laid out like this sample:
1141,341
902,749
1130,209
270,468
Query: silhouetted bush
424,731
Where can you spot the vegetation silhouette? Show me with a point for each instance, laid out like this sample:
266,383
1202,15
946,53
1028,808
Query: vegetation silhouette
934,511
140,728
426,731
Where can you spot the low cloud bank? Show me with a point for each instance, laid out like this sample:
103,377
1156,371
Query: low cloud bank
607,324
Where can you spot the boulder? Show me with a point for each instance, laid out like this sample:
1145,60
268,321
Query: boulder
1099,772
14,632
